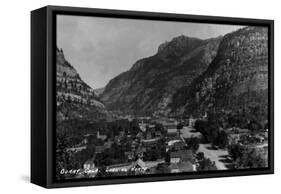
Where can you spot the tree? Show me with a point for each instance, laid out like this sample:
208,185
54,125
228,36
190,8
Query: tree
254,126
179,126
222,139
212,132
168,157
193,144
200,156
64,159
162,168
206,164
245,157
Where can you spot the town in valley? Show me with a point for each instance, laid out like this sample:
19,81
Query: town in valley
195,105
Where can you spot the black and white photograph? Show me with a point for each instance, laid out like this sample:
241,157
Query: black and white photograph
138,97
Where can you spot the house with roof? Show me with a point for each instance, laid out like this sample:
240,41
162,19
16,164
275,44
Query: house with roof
101,136
100,149
142,126
139,135
174,168
182,167
181,156
140,152
108,144
179,145
158,134
191,121
129,155
173,133
186,166
175,157
139,165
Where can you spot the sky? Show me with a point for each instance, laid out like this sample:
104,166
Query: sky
101,48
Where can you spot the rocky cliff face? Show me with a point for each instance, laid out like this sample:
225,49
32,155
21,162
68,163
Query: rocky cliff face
235,82
75,99
148,87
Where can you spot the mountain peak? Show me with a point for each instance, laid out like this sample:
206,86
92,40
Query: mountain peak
147,87
178,46
237,76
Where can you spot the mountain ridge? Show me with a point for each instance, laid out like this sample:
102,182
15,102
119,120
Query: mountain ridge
236,81
75,99
147,86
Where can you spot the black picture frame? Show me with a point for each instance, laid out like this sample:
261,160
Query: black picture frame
43,77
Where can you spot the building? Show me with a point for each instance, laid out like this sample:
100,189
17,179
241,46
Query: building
142,126
175,157
181,156
76,149
108,144
130,156
140,152
139,165
101,136
180,145
233,138
149,142
173,134
100,149
191,122
186,167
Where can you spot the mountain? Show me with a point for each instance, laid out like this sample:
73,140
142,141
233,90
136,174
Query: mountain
75,99
236,82
98,91
148,86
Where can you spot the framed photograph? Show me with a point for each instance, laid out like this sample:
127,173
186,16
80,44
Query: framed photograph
126,96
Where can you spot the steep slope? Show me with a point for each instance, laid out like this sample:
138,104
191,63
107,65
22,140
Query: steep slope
236,82
147,88
75,99
98,91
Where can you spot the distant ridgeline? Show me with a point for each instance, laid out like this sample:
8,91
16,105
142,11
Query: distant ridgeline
148,87
191,76
235,83
186,77
75,99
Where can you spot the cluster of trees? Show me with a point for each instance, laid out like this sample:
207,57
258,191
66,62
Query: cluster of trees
192,143
212,132
246,121
180,126
205,164
69,160
110,156
162,168
155,152
71,133
246,157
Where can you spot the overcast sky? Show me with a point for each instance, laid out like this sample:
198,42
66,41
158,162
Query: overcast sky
101,48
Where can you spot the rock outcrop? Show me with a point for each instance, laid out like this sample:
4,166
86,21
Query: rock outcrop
147,88
236,82
75,99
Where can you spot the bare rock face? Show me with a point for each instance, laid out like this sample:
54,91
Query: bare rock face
148,87
75,99
235,82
